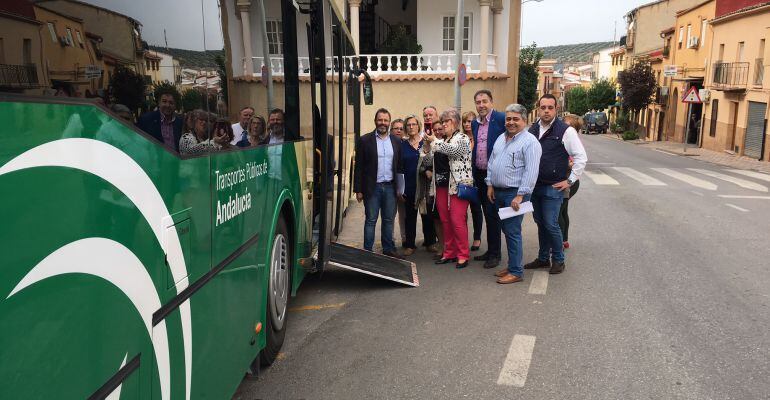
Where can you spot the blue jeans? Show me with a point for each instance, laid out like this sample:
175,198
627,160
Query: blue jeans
383,199
512,230
547,204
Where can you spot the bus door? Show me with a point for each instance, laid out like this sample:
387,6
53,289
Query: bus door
325,34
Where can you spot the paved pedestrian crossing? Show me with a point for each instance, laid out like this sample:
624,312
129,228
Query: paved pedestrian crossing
704,179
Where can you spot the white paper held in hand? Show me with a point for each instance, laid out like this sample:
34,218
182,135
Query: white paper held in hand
507,212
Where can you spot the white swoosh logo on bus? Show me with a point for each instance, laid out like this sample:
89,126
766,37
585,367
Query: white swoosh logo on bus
120,170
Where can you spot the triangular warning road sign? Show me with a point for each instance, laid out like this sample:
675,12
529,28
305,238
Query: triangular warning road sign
692,96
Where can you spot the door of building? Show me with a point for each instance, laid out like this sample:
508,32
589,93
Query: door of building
730,142
755,130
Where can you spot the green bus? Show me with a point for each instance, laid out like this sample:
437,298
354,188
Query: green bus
148,247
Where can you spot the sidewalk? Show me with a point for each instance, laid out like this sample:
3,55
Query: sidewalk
714,157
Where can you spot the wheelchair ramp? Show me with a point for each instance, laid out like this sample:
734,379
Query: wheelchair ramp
374,264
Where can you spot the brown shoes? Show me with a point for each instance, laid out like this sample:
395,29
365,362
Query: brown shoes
501,273
408,252
508,278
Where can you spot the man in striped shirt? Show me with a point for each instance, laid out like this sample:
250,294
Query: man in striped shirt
511,175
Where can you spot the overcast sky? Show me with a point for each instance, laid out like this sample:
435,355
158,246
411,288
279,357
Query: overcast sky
548,23
554,22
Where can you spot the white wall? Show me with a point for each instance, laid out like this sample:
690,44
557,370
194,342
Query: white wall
605,64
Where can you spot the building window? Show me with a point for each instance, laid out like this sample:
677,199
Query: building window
704,24
80,39
689,34
27,51
274,37
681,36
69,37
740,51
448,33
52,29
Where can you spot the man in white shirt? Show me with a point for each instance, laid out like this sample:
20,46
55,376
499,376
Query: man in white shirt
559,143
241,129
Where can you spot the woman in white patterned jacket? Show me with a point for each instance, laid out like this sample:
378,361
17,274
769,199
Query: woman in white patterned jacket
451,166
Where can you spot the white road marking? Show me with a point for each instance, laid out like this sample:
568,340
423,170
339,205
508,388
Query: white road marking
738,181
644,179
600,178
539,284
736,207
687,178
696,193
753,174
516,365
735,196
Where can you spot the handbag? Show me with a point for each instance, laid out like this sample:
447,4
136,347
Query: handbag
466,191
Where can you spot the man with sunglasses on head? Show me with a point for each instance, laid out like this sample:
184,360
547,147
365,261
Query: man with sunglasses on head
559,142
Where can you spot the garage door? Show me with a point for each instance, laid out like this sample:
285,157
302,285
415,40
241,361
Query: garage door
755,130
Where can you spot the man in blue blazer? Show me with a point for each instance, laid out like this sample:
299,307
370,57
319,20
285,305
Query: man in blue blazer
489,125
164,124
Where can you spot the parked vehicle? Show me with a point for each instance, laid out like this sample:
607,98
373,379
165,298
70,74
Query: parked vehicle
595,122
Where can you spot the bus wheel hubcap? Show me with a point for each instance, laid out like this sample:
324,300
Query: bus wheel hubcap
279,281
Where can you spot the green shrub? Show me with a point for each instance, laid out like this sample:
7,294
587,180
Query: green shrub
630,135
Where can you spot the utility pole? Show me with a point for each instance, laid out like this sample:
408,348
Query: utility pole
459,27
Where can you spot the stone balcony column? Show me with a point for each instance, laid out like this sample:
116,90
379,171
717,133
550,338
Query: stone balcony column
484,49
355,6
248,64
498,41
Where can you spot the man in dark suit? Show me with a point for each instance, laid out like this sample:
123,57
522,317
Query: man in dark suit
378,164
163,124
486,129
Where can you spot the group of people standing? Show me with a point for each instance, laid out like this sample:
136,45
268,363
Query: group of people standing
201,132
485,161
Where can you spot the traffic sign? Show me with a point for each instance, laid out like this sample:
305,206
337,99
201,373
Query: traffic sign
669,70
93,71
462,74
692,96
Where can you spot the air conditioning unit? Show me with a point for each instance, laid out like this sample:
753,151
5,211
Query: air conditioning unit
693,42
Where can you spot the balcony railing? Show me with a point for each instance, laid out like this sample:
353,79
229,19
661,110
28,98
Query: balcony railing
730,76
385,64
759,71
18,76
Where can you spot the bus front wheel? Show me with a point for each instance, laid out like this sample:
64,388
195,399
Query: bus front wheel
278,292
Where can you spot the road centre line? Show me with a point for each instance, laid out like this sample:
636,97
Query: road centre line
752,174
736,196
539,284
736,207
600,178
317,307
687,178
738,181
516,365
644,179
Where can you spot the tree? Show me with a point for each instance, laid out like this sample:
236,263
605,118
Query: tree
128,88
637,84
577,100
192,99
529,58
601,94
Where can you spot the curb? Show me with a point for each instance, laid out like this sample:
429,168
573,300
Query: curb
677,153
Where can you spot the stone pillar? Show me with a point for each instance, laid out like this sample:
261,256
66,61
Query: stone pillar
355,6
248,64
497,34
484,48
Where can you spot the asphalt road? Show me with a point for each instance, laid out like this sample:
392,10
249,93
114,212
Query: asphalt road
665,296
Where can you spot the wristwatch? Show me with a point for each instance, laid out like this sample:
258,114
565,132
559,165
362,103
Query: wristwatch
570,182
